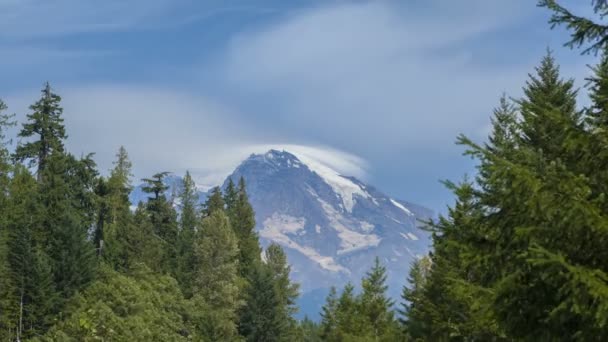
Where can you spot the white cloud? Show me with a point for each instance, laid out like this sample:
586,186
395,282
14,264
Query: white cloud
377,76
168,130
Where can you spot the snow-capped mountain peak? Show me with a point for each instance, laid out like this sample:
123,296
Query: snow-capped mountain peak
331,225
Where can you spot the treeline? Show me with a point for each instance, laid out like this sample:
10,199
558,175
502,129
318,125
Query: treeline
522,255
78,264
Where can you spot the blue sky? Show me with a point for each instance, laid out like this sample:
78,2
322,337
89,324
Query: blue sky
197,85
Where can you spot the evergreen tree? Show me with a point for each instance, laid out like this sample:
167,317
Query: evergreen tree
114,220
260,320
548,110
163,219
34,298
230,197
65,226
6,287
243,223
413,299
375,305
188,226
215,202
352,323
329,321
45,122
287,292
216,279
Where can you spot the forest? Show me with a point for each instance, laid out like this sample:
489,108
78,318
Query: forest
520,256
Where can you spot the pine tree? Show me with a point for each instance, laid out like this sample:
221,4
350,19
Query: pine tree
66,227
376,306
214,203
351,321
114,219
34,299
260,320
215,284
329,321
7,300
45,122
243,223
548,110
287,292
188,226
230,197
163,219
412,320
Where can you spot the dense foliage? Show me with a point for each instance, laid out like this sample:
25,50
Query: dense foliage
520,256
522,253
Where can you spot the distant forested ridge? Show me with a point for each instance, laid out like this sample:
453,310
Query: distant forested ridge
521,256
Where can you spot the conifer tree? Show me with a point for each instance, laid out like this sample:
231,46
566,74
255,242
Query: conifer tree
215,278
548,110
163,219
329,321
114,220
243,223
375,305
34,297
230,197
351,322
260,320
7,300
287,292
66,228
412,320
188,226
215,202
45,124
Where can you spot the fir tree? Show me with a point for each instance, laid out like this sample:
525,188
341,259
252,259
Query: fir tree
230,197
414,299
287,292
243,223
46,124
115,221
188,226
34,300
215,202
66,228
329,321
215,278
7,322
375,304
260,320
163,219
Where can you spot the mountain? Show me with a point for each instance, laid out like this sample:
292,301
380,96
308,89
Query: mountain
331,226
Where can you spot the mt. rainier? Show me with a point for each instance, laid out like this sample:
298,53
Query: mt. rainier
331,226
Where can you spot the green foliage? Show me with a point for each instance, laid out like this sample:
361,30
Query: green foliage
364,317
46,124
144,306
188,224
216,283
260,319
243,222
286,291
583,30
163,220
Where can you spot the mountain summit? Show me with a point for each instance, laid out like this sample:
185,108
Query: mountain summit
331,226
